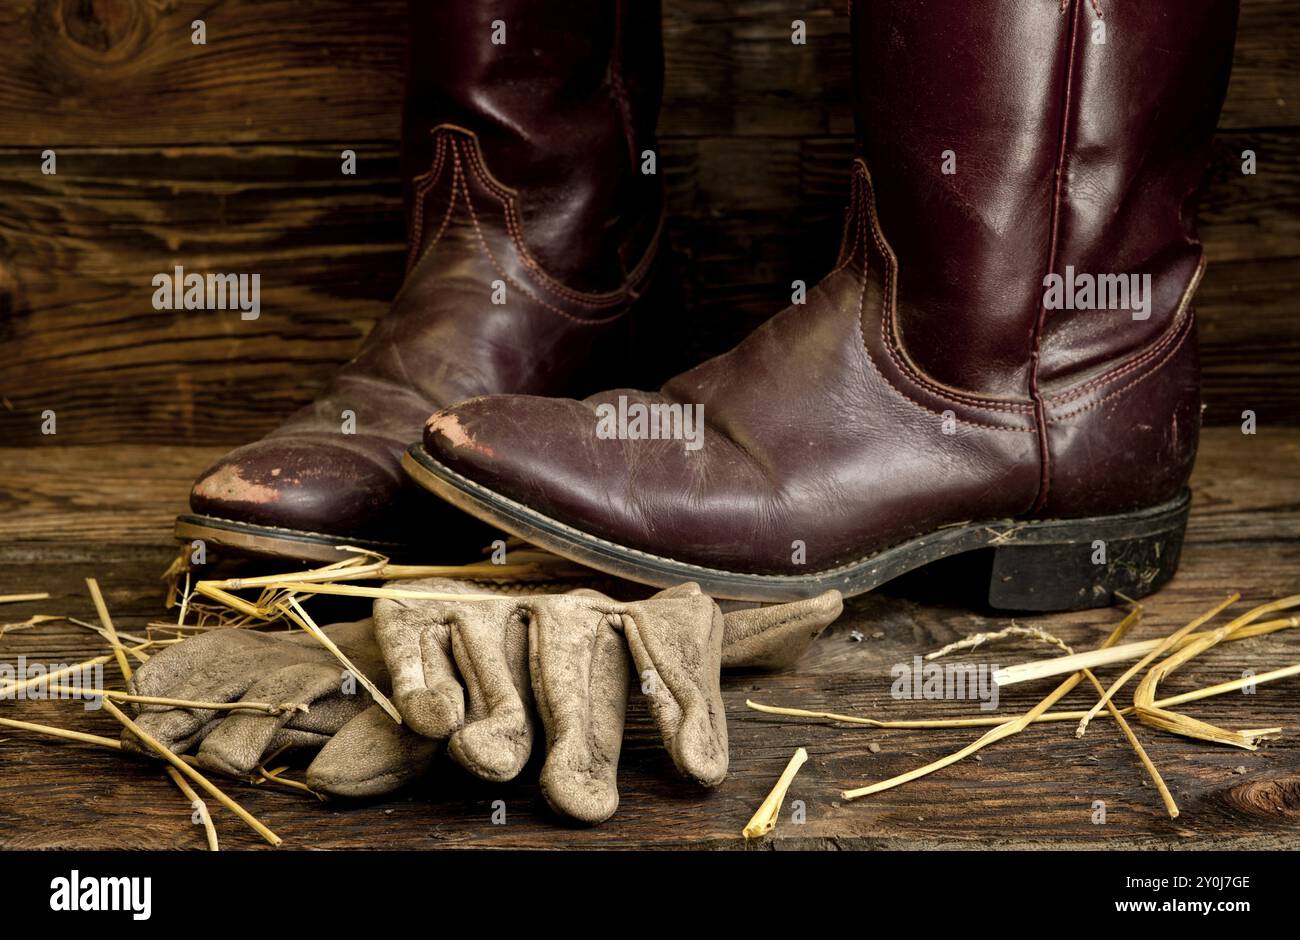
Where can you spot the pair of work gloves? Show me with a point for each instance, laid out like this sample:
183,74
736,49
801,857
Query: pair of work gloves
476,675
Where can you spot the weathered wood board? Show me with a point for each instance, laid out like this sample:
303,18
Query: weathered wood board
71,512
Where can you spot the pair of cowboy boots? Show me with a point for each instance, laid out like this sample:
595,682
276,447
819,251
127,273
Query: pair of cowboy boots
1002,363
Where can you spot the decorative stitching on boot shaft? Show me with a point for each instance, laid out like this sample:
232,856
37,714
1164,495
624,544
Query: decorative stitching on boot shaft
423,185
866,211
466,155
487,251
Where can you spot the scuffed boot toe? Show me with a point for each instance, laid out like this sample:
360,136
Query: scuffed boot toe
306,486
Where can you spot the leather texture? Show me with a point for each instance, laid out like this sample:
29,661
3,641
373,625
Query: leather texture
925,382
533,261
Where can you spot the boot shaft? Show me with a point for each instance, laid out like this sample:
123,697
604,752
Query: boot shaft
1015,139
563,98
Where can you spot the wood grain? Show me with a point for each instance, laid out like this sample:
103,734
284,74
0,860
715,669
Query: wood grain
1037,789
124,72
225,157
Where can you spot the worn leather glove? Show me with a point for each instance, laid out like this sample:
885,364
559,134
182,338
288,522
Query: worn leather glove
569,656
362,751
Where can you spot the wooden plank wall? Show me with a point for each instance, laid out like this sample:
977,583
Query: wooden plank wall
225,157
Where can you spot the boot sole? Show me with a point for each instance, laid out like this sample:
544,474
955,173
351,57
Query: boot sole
270,542
1039,565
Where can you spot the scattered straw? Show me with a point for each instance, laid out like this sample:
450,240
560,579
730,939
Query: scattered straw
1042,636
1150,713
295,612
153,743
1046,668
1165,644
1182,698
12,689
1004,730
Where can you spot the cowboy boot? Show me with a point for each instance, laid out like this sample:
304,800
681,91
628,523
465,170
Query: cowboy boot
533,258
941,391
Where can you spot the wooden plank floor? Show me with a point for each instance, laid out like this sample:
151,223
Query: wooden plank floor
105,511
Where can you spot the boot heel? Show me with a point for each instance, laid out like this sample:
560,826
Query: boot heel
1080,564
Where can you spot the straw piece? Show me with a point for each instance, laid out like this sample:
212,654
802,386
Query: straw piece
367,565
1230,686
1008,728
382,570
764,819
193,774
185,602
182,703
209,589
172,574
104,634
332,572
195,803
27,624
107,622
116,745
1166,797
295,611
19,598
1165,644
351,590
1046,668
917,723
67,734
976,640
273,776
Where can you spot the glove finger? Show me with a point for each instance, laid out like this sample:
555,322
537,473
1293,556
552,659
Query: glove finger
775,636
179,729
579,667
176,733
676,644
292,739
371,755
493,660
415,638
237,744
327,715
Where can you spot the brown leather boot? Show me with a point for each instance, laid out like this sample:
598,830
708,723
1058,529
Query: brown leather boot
534,256
935,395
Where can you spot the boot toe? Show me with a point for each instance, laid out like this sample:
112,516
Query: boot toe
543,452
554,456
301,484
